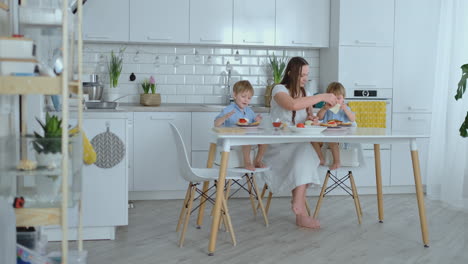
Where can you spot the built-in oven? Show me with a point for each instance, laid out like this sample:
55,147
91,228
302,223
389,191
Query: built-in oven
375,95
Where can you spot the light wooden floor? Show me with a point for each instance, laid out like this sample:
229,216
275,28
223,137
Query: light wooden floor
150,236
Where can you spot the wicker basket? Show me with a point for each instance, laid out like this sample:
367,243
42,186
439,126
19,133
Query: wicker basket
150,99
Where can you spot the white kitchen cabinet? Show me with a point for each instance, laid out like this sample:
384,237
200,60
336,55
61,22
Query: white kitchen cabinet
159,21
211,21
415,55
106,20
366,67
361,50
254,22
402,167
366,22
302,23
155,164
105,190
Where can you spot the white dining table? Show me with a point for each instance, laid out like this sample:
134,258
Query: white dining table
228,137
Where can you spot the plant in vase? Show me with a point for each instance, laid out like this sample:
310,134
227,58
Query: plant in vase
147,98
277,66
114,67
460,91
49,147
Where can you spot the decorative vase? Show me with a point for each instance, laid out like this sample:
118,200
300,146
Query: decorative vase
150,99
268,91
49,160
111,94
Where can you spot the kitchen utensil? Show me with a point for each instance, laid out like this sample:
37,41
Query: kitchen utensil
101,105
93,89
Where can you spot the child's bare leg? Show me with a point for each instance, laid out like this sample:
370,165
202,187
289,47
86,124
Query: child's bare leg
299,209
247,161
318,148
336,156
259,158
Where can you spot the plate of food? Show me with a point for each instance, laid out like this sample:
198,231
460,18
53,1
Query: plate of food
244,122
306,129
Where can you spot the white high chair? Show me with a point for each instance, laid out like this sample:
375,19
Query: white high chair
350,156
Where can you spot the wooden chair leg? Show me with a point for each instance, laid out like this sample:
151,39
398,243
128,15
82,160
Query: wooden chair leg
228,189
251,196
355,197
187,215
319,202
265,187
228,222
267,207
260,202
184,206
307,207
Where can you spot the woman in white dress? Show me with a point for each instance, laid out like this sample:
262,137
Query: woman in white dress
294,165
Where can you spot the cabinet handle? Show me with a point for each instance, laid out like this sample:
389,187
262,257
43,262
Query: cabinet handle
410,108
365,42
162,118
209,40
303,43
364,84
161,39
416,119
253,42
97,36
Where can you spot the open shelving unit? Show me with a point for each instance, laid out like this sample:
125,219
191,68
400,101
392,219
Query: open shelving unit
71,149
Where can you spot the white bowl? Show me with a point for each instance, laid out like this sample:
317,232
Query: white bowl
307,129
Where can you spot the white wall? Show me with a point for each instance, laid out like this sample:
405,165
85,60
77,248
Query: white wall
192,81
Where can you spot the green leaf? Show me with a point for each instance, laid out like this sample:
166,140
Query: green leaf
464,127
278,66
462,83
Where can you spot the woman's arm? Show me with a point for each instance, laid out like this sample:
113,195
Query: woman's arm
293,104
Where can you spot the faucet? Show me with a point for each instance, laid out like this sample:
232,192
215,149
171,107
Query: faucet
229,98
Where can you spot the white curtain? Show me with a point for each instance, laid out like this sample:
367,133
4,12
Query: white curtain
447,178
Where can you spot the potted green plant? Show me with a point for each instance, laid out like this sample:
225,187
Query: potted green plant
114,67
460,91
49,146
277,66
147,98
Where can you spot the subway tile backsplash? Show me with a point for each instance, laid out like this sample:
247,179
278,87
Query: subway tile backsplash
191,74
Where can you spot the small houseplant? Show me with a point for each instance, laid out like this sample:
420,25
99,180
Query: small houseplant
147,98
48,147
277,66
114,67
460,91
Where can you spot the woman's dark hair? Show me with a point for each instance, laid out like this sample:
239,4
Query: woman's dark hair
291,80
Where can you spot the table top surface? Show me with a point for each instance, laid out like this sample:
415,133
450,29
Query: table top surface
326,133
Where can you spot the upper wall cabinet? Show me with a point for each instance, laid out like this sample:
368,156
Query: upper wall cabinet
106,20
159,21
254,22
302,23
366,22
211,21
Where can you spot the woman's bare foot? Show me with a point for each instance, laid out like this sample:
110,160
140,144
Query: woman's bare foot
335,165
307,222
322,162
259,164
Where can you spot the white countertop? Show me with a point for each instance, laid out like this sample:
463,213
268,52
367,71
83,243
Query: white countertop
129,107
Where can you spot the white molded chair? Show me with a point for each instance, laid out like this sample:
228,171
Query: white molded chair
236,166
350,156
195,176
